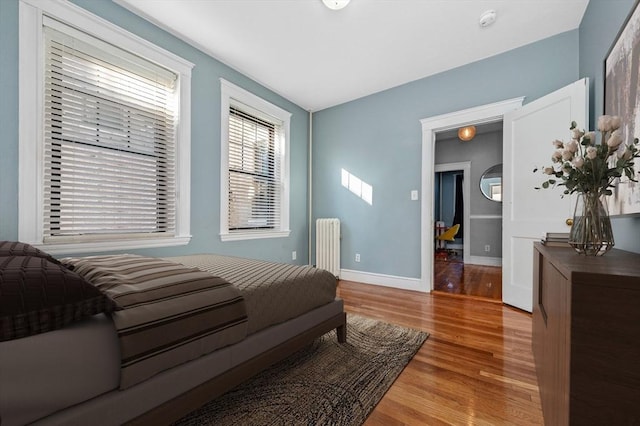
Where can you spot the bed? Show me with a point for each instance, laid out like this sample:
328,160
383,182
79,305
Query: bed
142,340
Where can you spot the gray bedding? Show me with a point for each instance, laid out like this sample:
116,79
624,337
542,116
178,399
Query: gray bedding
43,373
167,313
273,292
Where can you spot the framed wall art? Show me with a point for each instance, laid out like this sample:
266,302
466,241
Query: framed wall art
622,98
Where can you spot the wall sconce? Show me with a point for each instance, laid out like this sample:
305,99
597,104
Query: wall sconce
335,4
466,133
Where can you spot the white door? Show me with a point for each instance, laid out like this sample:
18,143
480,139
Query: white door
529,213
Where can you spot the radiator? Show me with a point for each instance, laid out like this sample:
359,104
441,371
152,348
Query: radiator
328,245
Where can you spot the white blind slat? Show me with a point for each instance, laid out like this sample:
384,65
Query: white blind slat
87,44
254,193
110,122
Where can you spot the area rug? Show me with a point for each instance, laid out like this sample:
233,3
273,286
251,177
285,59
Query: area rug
326,383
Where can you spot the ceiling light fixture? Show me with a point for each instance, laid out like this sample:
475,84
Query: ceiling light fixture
487,18
466,133
335,4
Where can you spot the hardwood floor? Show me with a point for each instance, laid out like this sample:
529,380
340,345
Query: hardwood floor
476,367
455,277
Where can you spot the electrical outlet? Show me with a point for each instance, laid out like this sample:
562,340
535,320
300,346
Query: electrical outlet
487,248
357,257
414,195
294,255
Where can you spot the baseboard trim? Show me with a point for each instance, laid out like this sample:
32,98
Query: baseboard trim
403,283
485,261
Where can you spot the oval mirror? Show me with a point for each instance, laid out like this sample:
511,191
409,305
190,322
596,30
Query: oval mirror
491,183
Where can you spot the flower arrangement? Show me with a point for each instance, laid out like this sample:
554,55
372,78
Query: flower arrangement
582,165
590,169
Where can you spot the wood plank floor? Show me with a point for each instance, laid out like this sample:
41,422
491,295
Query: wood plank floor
456,277
476,368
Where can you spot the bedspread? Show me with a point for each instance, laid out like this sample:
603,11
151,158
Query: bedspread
274,292
167,313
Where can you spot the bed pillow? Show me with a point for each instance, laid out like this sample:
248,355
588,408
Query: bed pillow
16,248
38,295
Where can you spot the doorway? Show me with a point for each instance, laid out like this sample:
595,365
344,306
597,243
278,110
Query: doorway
448,214
460,201
444,202
536,212
430,127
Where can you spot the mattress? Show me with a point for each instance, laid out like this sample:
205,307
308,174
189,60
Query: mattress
56,369
273,292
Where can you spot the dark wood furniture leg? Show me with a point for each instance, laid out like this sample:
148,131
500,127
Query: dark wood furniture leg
341,331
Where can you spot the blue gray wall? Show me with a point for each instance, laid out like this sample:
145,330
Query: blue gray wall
205,144
598,30
378,138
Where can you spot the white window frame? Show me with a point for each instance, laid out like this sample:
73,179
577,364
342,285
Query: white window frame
31,123
229,93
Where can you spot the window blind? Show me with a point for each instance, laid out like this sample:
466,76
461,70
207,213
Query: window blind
110,123
254,171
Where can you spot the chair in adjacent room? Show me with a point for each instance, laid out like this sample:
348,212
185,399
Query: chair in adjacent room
447,236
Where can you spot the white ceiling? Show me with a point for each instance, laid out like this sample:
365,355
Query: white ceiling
317,57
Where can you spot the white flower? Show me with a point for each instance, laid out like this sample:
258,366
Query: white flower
577,134
578,162
625,155
573,146
616,122
590,164
604,123
614,140
590,137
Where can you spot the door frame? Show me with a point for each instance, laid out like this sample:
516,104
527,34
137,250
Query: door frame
430,126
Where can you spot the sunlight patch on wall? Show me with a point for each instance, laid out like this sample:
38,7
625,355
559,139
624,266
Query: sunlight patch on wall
357,186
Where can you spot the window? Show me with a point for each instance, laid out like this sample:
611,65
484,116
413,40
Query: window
113,129
255,167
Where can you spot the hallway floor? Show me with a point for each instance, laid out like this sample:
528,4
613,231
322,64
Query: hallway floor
452,276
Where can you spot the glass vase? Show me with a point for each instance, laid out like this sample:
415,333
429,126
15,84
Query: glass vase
591,233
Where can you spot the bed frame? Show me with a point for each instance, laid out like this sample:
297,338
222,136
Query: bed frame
140,405
200,395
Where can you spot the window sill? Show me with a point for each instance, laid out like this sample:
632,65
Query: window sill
115,245
238,236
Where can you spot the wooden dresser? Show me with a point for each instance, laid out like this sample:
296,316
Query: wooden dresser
586,336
